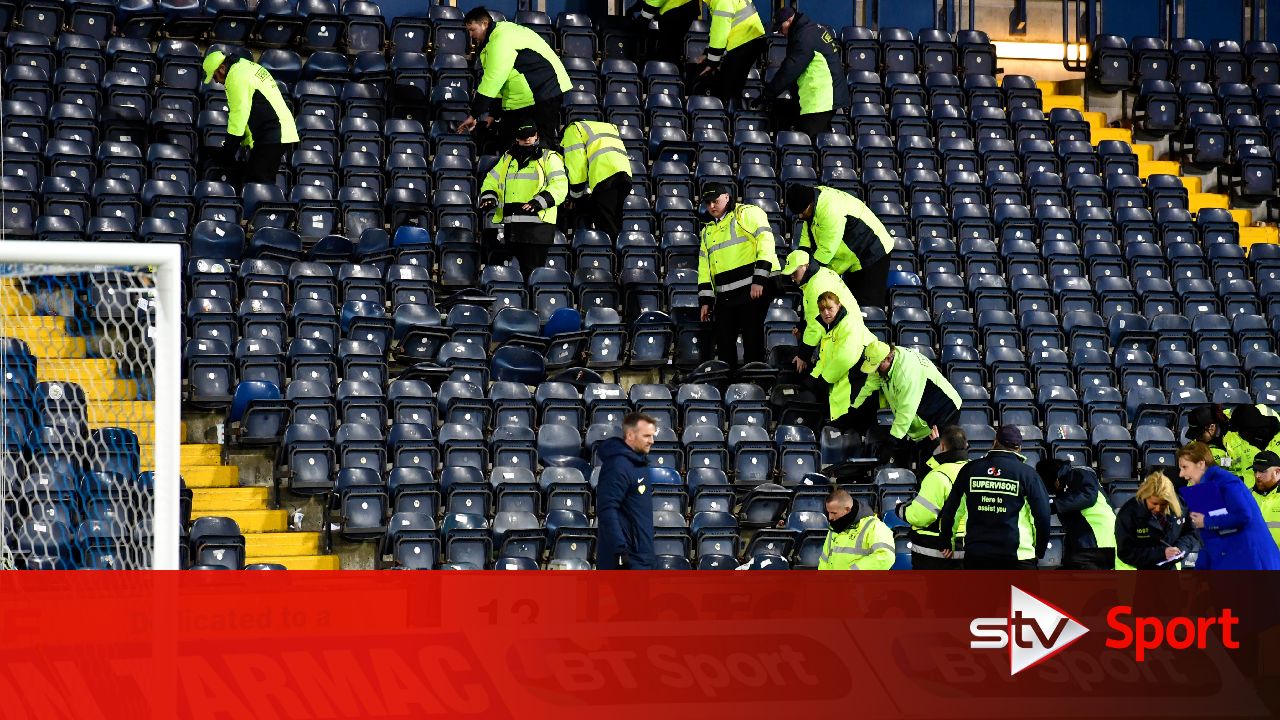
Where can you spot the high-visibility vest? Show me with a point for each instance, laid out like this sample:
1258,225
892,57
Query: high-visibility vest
827,234
839,352
922,512
593,152
867,545
1270,506
542,182
650,9
538,76
244,79
736,251
902,390
1240,452
733,23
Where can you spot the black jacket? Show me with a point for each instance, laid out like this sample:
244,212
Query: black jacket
1007,507
1076,504
806,40
1141,537
624,509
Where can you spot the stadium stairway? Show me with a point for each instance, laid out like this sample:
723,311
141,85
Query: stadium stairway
1152,156
112,402
217,491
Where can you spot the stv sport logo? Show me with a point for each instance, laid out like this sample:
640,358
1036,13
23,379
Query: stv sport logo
1034,631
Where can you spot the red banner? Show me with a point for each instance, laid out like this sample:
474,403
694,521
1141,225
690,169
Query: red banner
638,645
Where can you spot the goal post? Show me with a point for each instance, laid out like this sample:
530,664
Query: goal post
142,284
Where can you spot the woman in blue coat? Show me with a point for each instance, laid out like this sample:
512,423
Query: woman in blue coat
1235,536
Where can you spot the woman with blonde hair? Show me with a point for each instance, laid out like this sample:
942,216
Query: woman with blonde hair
1152,528
1231,526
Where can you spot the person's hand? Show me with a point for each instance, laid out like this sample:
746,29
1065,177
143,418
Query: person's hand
795,333
700,59
756,291
704,314
488,122
529,208
467,125
1171,553
706,70
1197,519
947,554
799,363
488,204
933,432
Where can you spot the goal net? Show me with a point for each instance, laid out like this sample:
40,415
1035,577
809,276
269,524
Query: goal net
90,342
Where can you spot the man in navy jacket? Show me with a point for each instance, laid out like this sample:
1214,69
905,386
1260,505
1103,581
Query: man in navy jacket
624,502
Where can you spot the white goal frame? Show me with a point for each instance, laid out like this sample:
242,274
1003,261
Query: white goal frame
167,261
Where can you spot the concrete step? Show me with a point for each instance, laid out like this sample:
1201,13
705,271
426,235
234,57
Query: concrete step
16,303
1198,201
232,498
1052,102
250,521
47,347
95,368
144,429
118,411
304,562
210,477
94,388
1250,236
1097,135
195,454
281,543
35,323
1147,168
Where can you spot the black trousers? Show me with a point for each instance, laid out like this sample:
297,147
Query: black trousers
786,115
745,319
727,82
602,209
1095,559
526,243
928,562
264,163
544,114
972,562
870,285
673,26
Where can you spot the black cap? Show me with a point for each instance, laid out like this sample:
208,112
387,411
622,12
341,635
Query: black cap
1197,420
524,132
799,197
783,15
1009,436
713,190
1265,460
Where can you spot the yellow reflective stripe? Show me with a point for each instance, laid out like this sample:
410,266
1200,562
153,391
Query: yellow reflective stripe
882,546
850,551
522,219
735,285
1274,524
734,237
605,150
535,175
575,146
555,174
924,503
722,13
743,15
